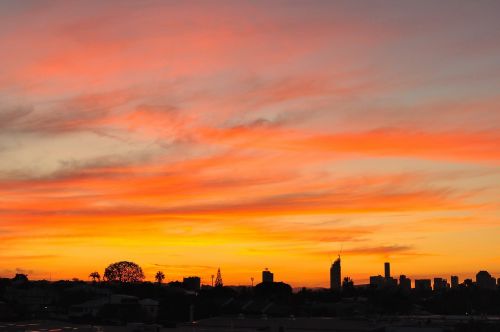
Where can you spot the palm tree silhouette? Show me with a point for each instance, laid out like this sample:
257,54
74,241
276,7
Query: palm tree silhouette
159,277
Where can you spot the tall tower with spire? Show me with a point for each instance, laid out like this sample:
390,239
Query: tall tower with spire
335,275
218,279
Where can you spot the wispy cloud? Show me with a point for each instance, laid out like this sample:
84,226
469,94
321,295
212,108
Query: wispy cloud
151,130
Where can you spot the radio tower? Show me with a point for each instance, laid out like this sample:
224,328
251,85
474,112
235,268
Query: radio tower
218,280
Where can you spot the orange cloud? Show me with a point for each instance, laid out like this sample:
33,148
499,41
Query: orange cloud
187,137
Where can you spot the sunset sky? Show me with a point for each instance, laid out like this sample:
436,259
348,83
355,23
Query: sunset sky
187,136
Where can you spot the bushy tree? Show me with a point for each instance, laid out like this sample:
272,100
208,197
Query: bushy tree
347,284
273,290
20,277
348,287
124,272
95,276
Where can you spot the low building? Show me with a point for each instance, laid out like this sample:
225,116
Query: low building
87,309
4,311
267,276
122,299
117,302
151,306
35,300
192,283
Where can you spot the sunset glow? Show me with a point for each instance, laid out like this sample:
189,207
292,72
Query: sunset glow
249,134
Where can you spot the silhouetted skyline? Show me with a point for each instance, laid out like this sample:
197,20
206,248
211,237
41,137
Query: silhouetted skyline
123,298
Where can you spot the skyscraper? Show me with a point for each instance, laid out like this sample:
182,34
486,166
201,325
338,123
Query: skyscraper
440,284
454,281
423,284
485,280
404,282
335,275
387,268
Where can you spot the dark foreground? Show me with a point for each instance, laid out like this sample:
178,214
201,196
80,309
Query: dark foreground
238,324
271,306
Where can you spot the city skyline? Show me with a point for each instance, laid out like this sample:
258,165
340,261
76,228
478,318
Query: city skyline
242,135
123,297
336,279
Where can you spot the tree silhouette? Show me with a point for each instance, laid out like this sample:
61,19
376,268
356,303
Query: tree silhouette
95,276
124,272
273,290
159,277
218,279
348,287
347,283
20,277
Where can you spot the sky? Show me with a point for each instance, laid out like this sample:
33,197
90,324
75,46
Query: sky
191,135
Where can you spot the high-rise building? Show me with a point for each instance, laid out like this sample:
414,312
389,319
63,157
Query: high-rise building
423,284
454,281
391,282
485,280
384,281
377,281
387,270
440,284
335,275
404,282
267,276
